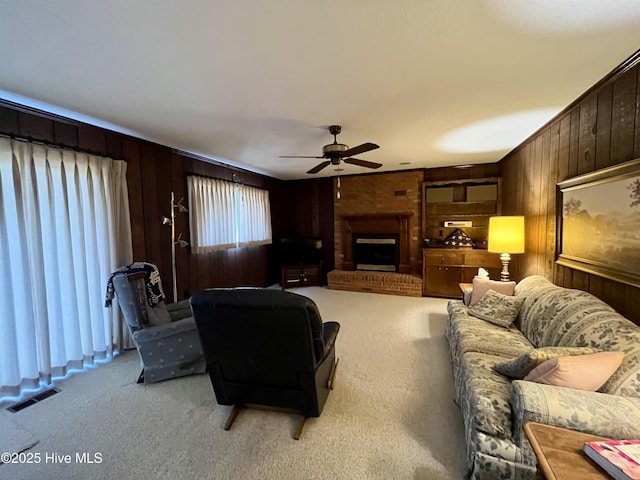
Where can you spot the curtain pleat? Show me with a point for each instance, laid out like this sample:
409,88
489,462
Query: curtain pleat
64,228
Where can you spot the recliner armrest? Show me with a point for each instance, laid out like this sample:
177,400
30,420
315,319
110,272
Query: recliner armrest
329,335
163,331
179,310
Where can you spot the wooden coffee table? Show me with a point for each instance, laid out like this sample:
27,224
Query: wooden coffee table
559,452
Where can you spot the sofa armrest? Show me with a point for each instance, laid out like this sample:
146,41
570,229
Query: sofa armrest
596,413
466,296
159,332
179,310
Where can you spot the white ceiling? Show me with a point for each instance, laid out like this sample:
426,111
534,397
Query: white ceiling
244,81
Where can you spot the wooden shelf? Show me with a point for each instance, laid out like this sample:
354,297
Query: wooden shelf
475,200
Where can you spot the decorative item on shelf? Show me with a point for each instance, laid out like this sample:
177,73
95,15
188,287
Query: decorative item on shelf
458,239
506,237
175,241
433,242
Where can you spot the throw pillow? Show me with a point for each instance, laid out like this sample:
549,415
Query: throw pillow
583,372
497,308
482,285
522,365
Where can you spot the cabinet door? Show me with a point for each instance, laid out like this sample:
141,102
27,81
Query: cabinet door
442,281
312,276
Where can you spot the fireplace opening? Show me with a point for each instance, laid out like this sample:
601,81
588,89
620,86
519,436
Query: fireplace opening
378,252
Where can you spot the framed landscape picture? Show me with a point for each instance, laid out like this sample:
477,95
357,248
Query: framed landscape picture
599,222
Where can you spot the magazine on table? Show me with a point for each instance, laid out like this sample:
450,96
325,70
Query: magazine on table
619,458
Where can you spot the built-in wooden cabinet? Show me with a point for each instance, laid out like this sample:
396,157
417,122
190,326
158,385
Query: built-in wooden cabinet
301,276
465,204
447,206
444,268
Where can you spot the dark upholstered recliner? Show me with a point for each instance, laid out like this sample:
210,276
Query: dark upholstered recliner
266,348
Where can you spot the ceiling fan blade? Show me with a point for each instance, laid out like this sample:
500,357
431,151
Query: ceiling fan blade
296,156
362,163
320,166
365,147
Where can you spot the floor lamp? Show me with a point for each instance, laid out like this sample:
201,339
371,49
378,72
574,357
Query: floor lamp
506,236
175,241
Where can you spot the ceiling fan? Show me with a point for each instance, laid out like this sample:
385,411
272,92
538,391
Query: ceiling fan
336,152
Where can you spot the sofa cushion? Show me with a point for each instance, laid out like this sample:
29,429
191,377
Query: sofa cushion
582,372
522,365
497,308
556,316
483,285
470,334
553,319
484,395
531,288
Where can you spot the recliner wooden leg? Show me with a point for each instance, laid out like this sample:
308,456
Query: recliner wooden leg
332,377
141,377
232,416
299,428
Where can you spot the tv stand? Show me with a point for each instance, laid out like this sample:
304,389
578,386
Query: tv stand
301,276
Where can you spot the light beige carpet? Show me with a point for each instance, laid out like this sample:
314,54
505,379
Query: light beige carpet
14,439
390,416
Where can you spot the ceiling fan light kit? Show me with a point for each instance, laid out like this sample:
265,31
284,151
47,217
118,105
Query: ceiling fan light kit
335,153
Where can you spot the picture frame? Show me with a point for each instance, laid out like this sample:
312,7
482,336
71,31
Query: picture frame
598,223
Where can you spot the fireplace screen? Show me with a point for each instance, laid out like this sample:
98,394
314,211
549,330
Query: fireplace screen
376,252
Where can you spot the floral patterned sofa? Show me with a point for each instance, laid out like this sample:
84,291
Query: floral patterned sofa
495,407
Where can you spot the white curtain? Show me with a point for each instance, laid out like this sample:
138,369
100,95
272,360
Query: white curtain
225,215
64,227
254,216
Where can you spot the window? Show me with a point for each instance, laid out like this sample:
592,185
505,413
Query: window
64,227
225,215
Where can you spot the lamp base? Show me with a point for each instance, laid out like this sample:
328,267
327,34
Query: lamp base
505,258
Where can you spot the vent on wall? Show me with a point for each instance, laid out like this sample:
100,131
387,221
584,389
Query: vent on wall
458,224
16,407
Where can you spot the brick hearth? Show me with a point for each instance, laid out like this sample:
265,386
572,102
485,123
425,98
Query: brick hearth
375,282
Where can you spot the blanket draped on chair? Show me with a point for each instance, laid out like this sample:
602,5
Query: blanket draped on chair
151,279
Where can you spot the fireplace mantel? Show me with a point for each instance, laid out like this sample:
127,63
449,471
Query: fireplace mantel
388,222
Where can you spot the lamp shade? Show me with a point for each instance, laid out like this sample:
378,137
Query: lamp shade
506,234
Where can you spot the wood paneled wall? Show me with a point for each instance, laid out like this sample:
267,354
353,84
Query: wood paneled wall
153,172
309,213
600,129
483,170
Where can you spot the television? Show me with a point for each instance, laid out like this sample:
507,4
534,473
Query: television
300,251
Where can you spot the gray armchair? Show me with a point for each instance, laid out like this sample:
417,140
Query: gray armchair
165,335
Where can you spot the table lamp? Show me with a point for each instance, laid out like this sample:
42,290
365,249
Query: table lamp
506,236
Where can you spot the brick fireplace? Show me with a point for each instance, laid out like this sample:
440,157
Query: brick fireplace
378,206
381,225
